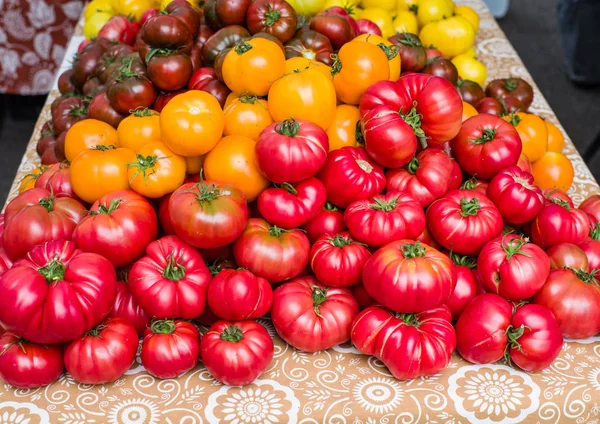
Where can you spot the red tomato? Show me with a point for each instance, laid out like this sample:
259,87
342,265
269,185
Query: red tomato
103,354
292,205
567,255
361,296
475,184
119,226
514,194
559,223
591,206
57,180
237,294
408,276
28,365
511,267
312,317
427,176
271,252
330,220
337,260
409,345
553,194
456,177
170,348
463,221
426,238
171,281
591,248
485,145
384,218
35,217
68,293
349,174
573,296
126,307
466,287
291,151
236,353
208,214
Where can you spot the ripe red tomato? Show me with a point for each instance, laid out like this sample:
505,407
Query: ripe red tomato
384,218
103,354
567,255
236,353
291,151
237,294
312,317
330,220
475,184
170,348
208,214
485,145
466,286
463,221
553,194
427,176
591,248
591,206
171,281
271,252
28,365
337,260
408,276
68,293
349,174
292,205
558,222
456,177
516,197
409,345
57,180
126,307
512,268
362,297
118,226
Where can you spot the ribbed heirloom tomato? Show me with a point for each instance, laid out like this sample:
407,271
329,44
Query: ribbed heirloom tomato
337,260
156,170
466,285
330,220
57,180
559,222
247,116
126,307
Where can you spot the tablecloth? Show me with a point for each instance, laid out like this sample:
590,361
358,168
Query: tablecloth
340,385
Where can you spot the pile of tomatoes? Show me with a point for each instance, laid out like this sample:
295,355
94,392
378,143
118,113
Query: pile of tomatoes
345,186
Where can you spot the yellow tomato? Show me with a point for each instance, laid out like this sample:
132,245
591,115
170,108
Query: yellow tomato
342,131
247,116
390,50
469,14
193,164
135,8
406,21
354,12
96,6
556,139
307,95
471,52
434,10
411,5
470,68
139,128
380,17
553,171
468,111
307,7
301,63
452,36
94,24
346,4
388,5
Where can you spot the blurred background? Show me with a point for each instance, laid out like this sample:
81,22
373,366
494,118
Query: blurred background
531,27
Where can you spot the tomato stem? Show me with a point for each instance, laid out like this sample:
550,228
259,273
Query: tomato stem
289,128
162,326
463,260
513,246
409,319
340,241
381,205
413,118
413,165
174,271
409,39
289,188
53,272
469,207
140,112
414,8
113,206
142,164
95,332
511,84
19,342
586,277
78,111
232,333
486,136
337,65
275,231
272,16
242,47
595,231
216,267
319,295
47,203
390,51
559,202
413,250
248,99
470,184
330,207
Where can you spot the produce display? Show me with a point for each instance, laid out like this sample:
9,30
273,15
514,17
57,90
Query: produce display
340,168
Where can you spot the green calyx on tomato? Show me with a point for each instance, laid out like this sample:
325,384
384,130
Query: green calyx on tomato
95,332
104,148
123,275
414,9
47,203
511,84
275,231
53,272
205,192
289,128
390,51
470,184
174,271
513,335
559,202
515,119
409,39
330,207
319,295
162,326
248,99
232,333
586,277
337,64
469,207
413,119
408,319
413,250
513,247
21,342
242,47
463,260
287,187
358,134
486,136
79,111
113,206
595,232
271,16
159,51
125,71
143,164
140,112
413,165
340,241
381,205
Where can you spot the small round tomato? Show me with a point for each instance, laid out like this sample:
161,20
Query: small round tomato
337,260
247,116
434,10
57,180
391,51
533,132
87,134
138,129
405,21
345,127
553,170
156,171
452,36
556,139
559,222
329,221
470,68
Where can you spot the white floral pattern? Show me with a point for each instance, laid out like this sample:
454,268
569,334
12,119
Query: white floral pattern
134,411
22,413
379,395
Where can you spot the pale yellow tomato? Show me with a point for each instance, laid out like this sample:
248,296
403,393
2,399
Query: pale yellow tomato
471,52
307,7
434,10
411,5
92,26
96,6
452,36
346,4
380,17
354,12
406,21
470,68
469,14
388,5
135,8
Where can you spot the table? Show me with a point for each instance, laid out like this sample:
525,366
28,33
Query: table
340,385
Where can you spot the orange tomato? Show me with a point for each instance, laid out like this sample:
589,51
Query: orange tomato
307,95
28,181
138,129
252,66
247,116
533,133
233,161
358,65
390,50
342,131
88,134
556,139
98,171
300,62
468,111
192,123
156,171
553,171
230,98
193,164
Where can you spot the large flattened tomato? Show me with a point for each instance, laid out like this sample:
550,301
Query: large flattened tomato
559,222
337,260
68,293
171,281
312,317
409,345
329,221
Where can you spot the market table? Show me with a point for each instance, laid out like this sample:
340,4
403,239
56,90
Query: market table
339,385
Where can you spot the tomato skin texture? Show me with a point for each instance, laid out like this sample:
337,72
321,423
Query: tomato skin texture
533,133
342,131
119,227
485,145
138,129
409,276
512,268
411,346
465,290
57,180
236,295
290,209
452,36
247,116
86,134
271,253
591,206
568,255
349,174
559,224
171,281
392,54
512,90
170,348
516,197
311,45
295,316
242,356
127,308
337,260
426,178
591,248
105,356
553,171
330,220
384,218
81,297
291,151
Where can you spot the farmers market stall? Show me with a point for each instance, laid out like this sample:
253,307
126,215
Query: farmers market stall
338,385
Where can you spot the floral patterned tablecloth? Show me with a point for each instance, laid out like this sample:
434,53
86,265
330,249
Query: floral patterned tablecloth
340,385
